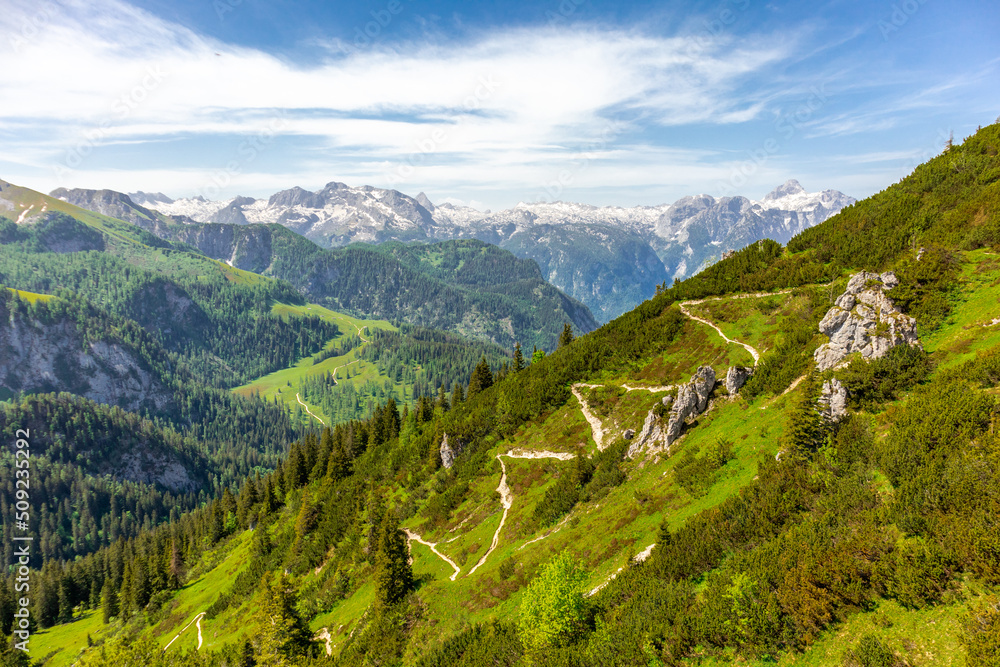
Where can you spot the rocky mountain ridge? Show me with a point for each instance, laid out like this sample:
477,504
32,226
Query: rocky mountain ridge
609,257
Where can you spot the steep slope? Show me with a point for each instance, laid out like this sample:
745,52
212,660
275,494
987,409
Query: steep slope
367,280
764,532
53,346
116,205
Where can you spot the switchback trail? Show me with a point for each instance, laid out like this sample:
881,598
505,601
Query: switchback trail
506,497
595,423
413,537
196,621
318,418
753,352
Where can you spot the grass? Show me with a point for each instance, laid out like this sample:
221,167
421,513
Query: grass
975,303
31,297
62,644
285,383
696,345
923,637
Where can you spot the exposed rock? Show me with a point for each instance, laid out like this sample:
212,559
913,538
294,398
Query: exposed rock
736,377
864,320
652,432
833,401
51,356
629,434
691,401
448,453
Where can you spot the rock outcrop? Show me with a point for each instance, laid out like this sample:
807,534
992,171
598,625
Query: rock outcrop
691,401
864,320
833,401
448,453
736,377
43,355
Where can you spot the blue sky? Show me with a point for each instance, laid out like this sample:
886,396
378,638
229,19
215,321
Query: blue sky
489,103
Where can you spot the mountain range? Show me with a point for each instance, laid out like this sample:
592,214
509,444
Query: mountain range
610,258
787,458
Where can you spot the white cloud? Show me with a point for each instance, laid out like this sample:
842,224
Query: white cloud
511,103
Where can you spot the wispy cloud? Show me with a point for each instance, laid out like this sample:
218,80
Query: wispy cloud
103,73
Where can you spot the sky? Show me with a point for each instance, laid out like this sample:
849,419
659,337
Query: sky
489,103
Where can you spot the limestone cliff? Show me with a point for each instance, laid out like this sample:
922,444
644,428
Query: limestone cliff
864,320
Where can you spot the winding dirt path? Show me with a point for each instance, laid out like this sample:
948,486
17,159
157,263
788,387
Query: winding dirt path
342,366
318,418
413,537
324,636
506,500
595,424
668,387
196,621
506,497
638,558
753,351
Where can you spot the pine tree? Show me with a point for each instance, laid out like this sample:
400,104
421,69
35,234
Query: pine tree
281,636
518,358
481,379
393,575
566,337
442,399
65,600
109,601
804,423
457,396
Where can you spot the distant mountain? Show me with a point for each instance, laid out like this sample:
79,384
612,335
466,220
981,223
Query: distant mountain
515,303
467,286
610,258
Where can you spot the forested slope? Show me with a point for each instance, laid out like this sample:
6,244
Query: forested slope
756,528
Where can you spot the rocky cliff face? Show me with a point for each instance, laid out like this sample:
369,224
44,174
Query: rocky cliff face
736,377
53,356
691,401
114,205
449,453
864,320
244,247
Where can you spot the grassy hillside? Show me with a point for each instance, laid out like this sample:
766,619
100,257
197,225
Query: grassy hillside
762,535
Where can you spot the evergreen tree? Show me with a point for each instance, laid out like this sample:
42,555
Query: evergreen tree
518,358
281,637
457,396
65,600
442,399
109,601
393,575
566,337
482,378
805,427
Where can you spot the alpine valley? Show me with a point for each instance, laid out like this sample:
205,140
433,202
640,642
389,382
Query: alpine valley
350,427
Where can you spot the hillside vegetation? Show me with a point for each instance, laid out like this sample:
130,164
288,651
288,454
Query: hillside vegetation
553,517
